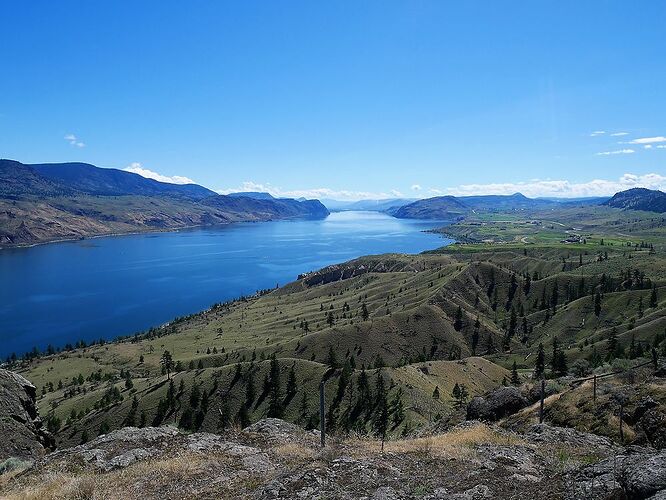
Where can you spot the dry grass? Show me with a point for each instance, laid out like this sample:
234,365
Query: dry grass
133,482
459,443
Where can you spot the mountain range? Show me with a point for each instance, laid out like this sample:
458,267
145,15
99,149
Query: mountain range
47,202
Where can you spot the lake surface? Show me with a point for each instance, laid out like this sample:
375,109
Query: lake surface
105,287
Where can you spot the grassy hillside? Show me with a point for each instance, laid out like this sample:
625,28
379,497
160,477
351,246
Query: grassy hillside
461,315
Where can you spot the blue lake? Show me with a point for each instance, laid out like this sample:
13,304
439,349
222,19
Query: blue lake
105,287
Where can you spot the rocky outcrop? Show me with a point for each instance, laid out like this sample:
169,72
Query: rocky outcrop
636,473
22,435
497,404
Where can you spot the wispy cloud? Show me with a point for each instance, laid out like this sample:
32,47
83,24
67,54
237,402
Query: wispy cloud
136,168
313,193
416,187
564,188
617,152
74,141
619,134
661,146
648,140
597,133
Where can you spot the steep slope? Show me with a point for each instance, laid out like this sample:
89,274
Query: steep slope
20,426
639,199
50,202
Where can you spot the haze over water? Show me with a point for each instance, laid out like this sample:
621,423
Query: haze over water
105,287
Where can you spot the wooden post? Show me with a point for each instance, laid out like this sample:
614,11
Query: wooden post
543,394
655,359
621,429
322,413
594,389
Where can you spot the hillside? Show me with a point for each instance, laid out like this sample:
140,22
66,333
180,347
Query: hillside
48,202
639,199
416,321
440,207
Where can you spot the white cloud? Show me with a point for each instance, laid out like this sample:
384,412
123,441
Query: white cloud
416,187
661,146
597,133
136,168
617,152
74,141
313,193
619,134
563,188
648,146
648,140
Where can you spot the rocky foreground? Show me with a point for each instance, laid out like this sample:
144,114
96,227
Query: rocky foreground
274,459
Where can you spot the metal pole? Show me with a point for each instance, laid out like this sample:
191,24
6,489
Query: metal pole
543,394
322,413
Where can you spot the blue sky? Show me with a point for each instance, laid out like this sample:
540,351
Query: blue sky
343,99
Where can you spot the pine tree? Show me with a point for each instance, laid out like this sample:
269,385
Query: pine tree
167,363
597,304
457,323
275,404
364,312
332,360
515,378
540,364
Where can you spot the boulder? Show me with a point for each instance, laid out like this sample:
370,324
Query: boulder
23,435
497,404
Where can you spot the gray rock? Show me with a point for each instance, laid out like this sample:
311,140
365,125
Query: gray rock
643,473
544,433
497,404
23,435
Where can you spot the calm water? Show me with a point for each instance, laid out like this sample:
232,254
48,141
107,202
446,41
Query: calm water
105,287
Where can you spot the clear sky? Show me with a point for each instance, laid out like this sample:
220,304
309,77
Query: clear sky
343,99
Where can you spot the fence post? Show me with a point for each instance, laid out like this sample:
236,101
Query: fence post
655,359
594,389
621,429
322,413
543,393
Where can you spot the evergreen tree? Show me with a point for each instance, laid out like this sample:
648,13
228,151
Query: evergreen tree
597,304
167,363
275,403
364,312
457,323
540,364
243,416
515,378
332,358
291,383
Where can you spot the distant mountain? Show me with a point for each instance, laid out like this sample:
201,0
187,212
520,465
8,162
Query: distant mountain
639,199
440,207
452,207
252,194
382,205
47,202
516,201
89,179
